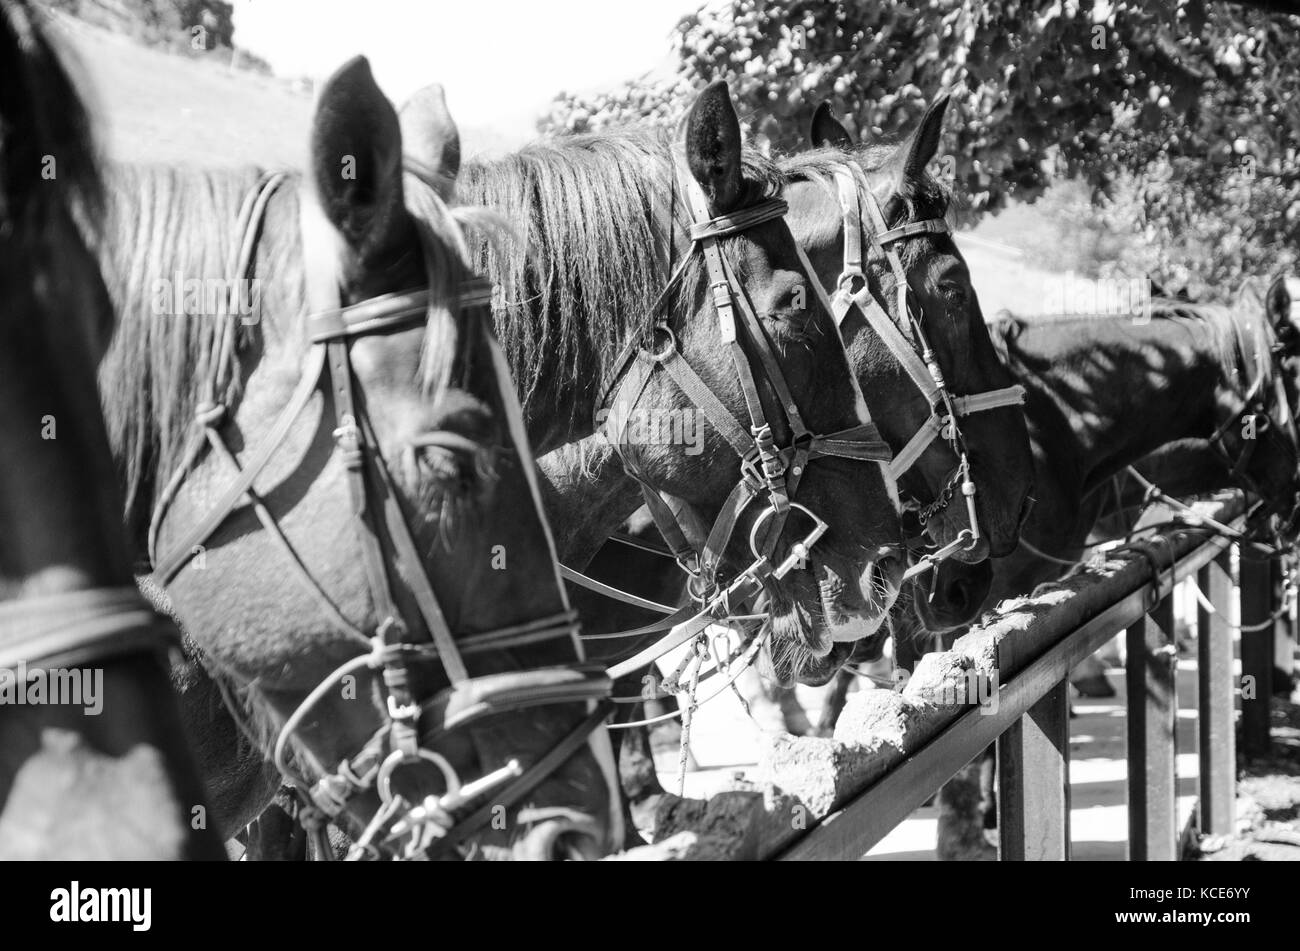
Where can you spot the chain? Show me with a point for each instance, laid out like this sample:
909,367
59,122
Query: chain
940,503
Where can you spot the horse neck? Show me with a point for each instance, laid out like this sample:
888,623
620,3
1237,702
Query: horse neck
588,495
1104,392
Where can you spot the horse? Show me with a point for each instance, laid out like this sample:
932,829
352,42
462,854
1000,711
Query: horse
1199,378
992,440
93,762
995,439
330,473
602,304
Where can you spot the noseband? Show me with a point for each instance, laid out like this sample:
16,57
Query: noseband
397,642
853,288
766,471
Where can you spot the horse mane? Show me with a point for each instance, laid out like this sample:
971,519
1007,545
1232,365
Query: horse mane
43,118
590,252
167,222
162,223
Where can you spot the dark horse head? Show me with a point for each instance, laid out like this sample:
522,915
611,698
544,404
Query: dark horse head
282,594
941,295
605,261
1107,390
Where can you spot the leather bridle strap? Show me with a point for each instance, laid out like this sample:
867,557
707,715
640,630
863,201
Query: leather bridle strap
853,289
550,761
76,628
765,469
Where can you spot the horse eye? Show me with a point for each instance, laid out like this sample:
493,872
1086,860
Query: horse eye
953,292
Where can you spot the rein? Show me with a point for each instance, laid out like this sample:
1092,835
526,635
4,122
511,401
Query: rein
397,642
853,288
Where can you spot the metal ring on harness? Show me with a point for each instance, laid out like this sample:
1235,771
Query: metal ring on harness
398,758
850,277
798,551
662,354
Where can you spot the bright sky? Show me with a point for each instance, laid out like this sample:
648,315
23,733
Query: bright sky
501,61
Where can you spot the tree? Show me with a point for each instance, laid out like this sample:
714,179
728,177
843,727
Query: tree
1187,107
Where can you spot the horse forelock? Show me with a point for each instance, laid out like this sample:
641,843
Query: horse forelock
922,196
590,250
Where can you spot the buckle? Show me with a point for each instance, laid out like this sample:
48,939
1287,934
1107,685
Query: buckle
403,712
749,473
348,438
721,293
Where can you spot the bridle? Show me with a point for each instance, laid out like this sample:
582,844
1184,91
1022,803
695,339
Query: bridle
767,472
398,641
915,355
1266,387
76,628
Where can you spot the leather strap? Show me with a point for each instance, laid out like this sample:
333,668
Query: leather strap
530,780
76,628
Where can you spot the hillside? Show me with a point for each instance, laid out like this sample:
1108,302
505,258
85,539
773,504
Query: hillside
157,107
154,106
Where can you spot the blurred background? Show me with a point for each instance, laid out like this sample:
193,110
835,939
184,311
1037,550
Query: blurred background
1087,139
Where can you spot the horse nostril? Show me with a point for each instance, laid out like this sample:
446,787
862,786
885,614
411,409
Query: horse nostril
559,840
959,596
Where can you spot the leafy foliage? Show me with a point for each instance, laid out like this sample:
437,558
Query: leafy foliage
1181,116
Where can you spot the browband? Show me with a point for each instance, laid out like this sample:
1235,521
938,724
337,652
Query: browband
912,229
742,220
389,311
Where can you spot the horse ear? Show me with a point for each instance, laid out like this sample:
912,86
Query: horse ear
1277,303
429,136
356,161
713,148
924,143
826,130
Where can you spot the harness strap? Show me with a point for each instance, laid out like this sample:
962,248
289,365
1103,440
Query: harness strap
616,594
75,628
657,627
912,230
689,382
1013,395
167,566
410,565
725,303
737,221
847,187
533,776
490,694
888,331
